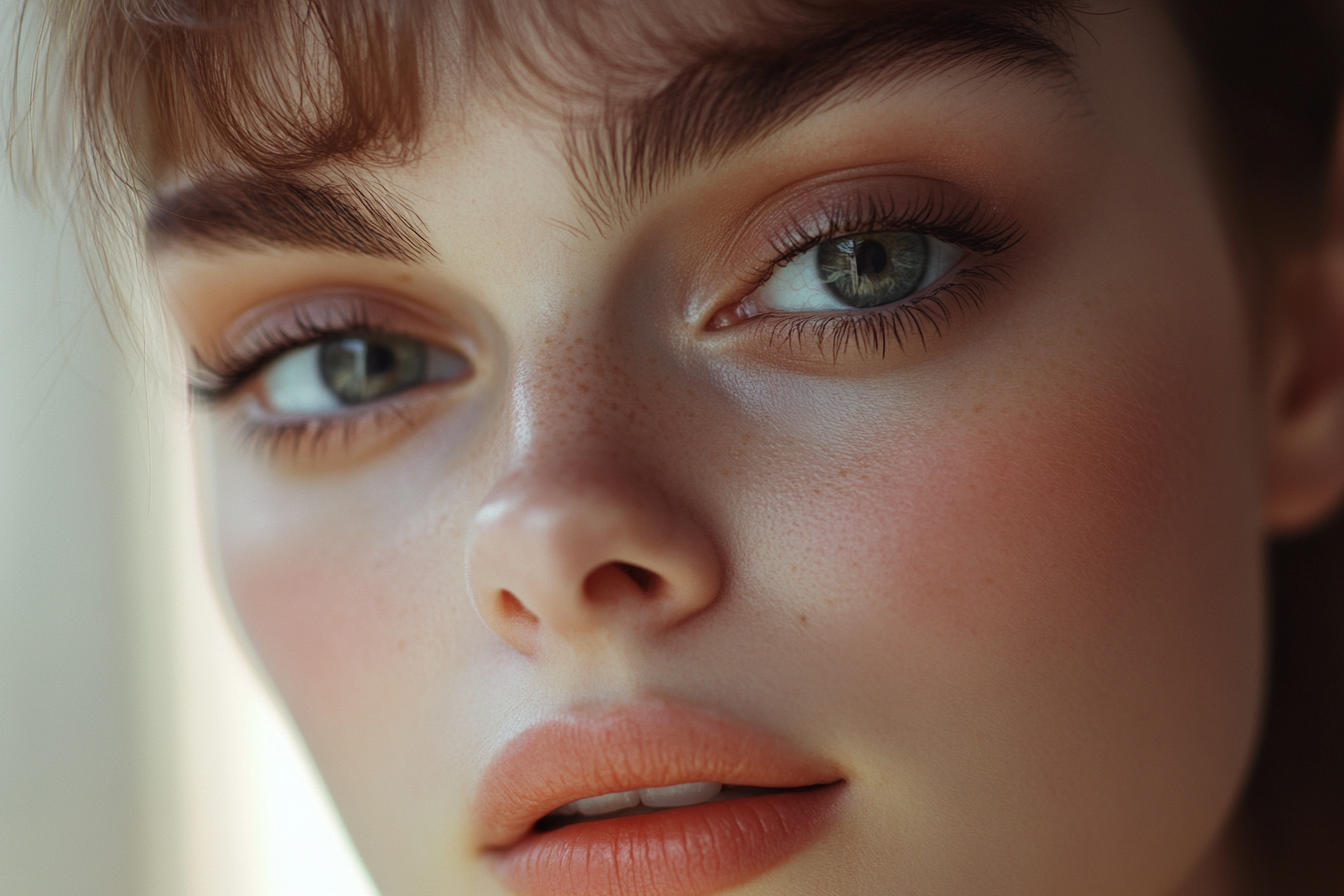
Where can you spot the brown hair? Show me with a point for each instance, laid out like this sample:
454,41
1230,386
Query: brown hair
163,87
1272,74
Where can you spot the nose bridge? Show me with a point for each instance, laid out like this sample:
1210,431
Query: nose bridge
574,396
578,537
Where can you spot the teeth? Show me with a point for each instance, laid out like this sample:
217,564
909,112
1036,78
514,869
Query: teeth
601,805
679,794
653,797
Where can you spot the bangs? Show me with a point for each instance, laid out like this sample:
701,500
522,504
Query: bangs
171,86
168,88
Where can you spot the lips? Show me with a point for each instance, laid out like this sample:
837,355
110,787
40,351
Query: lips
542,808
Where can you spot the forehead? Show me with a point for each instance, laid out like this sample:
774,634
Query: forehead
641,92
651,90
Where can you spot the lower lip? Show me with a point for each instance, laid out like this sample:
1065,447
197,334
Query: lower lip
690,851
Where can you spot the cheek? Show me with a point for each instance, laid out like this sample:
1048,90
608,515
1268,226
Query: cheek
347,594
312,613
1039,606
358,623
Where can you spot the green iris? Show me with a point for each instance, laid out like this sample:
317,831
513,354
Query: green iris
360,369
873,269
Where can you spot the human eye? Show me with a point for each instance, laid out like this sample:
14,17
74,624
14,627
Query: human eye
867,270
873,271
352,369
306,375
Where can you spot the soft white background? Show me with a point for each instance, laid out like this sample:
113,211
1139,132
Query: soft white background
140,755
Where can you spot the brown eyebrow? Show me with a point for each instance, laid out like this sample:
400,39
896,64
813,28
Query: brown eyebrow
736,94
249,210
737,91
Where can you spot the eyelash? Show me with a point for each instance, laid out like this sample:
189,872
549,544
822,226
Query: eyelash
312,436
214,384
217,382
968,225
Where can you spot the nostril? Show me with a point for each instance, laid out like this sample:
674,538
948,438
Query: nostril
644,579
617,580
514,608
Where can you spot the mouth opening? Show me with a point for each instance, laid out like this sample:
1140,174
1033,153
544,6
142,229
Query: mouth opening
565,817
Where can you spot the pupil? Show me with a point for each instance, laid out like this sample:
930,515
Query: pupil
870,257
378,359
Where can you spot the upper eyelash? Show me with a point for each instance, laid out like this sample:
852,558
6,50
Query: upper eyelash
968,225
213,383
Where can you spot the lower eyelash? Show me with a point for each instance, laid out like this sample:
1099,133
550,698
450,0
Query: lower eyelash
309,437
873,331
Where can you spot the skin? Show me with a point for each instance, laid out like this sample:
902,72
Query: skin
1009,580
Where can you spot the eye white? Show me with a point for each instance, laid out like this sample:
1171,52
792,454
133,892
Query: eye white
798,285
293,384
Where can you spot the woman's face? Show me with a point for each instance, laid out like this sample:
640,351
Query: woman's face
902,448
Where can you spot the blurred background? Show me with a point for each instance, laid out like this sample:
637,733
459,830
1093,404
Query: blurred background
140,754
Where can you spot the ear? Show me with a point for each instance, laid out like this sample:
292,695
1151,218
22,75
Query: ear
1305,446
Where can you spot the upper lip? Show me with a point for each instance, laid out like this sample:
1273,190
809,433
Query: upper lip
587,753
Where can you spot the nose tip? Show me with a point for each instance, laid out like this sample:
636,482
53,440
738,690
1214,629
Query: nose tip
567,558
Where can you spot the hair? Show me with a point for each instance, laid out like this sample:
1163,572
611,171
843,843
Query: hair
1272,74
164,88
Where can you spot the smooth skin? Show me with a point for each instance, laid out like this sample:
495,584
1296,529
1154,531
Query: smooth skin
1009,580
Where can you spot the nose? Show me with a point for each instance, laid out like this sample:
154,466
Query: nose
573,553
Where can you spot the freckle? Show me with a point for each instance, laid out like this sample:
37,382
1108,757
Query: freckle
401,645
803,619
844,474
978,408
403,278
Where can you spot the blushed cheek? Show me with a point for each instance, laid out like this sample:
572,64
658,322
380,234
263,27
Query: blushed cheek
311,612
356,623
1057,594
1056,521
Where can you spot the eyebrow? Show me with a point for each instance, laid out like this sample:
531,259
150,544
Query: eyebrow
732,93
737,94
248,210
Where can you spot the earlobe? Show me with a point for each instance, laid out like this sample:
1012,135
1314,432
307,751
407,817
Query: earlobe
1305,445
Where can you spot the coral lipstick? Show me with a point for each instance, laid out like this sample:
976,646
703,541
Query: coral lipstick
539,809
